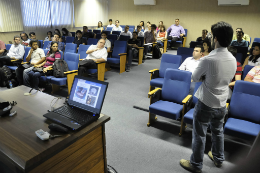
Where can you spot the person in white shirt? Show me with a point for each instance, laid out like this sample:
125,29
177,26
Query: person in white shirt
117,27
108,43
96,53
110,23
127,32
140,33
25,39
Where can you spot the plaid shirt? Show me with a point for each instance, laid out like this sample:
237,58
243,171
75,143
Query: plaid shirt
254,74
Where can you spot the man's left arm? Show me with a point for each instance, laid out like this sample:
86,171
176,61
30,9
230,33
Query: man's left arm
200,72
182,32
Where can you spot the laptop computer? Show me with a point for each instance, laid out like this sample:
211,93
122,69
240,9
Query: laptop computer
84,103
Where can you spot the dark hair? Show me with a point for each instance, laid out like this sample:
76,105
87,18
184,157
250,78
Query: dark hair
50,52
78,31
161,21
50,32
142,23
241,32
177,19
66,31
201,48
240,29
16,36
148,22
163,28
101,24
33,41
208,44
232,50
58,31
204,30
223,32
138,26
135,32
57,34
154,26
31,33
110,20
252,57
23,33
117,21
85,27
103,33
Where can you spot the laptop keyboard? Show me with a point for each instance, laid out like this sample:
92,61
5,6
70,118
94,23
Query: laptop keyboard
75,114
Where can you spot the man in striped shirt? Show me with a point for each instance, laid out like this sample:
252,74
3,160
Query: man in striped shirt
253,75
216,72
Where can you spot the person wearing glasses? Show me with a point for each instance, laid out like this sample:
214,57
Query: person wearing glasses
245,37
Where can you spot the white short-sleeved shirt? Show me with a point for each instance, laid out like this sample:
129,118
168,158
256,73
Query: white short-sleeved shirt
108,43
254,64
101,53
117,28
37,55
127,34
190,64
111,25
141,34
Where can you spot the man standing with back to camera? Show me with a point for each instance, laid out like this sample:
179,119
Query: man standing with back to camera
216,72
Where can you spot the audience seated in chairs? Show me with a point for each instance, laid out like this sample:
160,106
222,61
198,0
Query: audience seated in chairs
49,36
245,37
117,27
207,47
36,56
142,25
65,32
33,36
253,60
110,23
56,37
25,39
127,32
149,37
204,36
108,43
191,63
87,34
176,33
32,77
2,48
79,40
240,41
139,32
16,52
132,50
100,26
96,53
159,26
253,75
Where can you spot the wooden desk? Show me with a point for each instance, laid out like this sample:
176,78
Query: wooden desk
22,151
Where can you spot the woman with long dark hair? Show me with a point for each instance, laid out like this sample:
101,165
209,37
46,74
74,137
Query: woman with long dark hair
142,24
65,32
100,26
207,47
254,59
49,36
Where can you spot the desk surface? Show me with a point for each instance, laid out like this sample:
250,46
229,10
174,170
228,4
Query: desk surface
20,148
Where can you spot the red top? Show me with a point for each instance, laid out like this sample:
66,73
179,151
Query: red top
2,45
51,58
162,34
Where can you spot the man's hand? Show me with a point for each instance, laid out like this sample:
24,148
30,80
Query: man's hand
135,46
45,70
31,50
13,58
181,35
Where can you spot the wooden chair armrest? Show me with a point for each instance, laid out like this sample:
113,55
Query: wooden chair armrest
227,105
153,91
50,69
186,99
100,62
13,60
151,71
68,72
24,62
81,59
109,51
122,54
140,47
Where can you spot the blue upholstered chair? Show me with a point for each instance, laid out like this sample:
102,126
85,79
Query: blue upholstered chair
112,38
45,51
107,32
246,70
89,30
41,41
131,30
98,36
122,26
109,28
131,26
257,40
46,44
239,57
71,47
124,38
8,46
185,52
73,34
116,32
69,39
170,100
244,115
243,51
82,51
119,55
27,49
157,75
92,41
180,42
96,31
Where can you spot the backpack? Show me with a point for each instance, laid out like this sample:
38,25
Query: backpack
156,52
59,67
5,75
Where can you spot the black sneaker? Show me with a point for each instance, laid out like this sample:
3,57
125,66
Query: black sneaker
127,69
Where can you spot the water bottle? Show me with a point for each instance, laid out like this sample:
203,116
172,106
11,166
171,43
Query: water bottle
10,84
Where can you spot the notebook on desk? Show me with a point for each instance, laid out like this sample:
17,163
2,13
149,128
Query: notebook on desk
84,103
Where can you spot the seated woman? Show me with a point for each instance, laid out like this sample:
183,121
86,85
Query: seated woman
253,75
207,47
49,36
162,34
51,56
159,26
65,32
253,60
141,24
100,26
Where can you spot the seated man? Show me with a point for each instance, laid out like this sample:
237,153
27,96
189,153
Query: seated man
117,27
240,41
79,40
25,39
36,56
132,50
16,52
56,37
96,53
127,32
108,43
191,63
204,36
111,25
149,38
2,48
140,33
87,34
253,75
176,33
245,37
33,36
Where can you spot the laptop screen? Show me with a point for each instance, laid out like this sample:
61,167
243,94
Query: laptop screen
87,94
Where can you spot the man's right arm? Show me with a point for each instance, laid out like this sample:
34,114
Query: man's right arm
28,58
183,65
2,50
200,72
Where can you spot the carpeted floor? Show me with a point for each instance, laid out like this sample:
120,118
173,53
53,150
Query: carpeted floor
132,147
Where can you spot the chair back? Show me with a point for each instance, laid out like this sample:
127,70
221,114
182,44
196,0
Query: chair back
142,41
131,30
82,51
45,51
96,31
61,55
26,52
69,39
122,26
116,32
185,52
246,70
239,57
257,40
186,32
195,99
244,104
107,32
92,41
112,37
98,36
124,37
41,41
169,61
195,43
73,34
8,46
89,30
46,44
71,47
242,50
109,28
119,47
176,85
72,59
131,26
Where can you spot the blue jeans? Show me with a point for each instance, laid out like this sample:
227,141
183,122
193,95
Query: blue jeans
31,78
203,117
